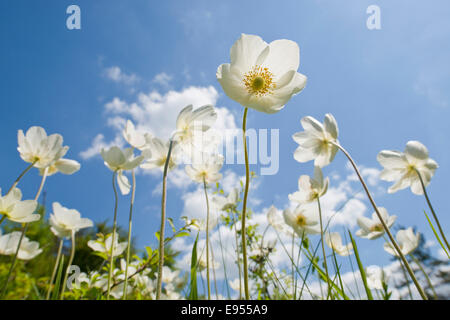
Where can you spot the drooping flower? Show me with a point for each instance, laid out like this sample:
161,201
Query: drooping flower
104,245
372,228
16,210
64,221
28,249
225,203
206,170
119,161
310,189
65,166
262,76
400,167
407,242
276,220
316,142
157,156
135,138
302,220
376,277
38,148
189,121
334,241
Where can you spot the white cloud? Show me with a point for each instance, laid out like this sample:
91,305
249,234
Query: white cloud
115,74
162,79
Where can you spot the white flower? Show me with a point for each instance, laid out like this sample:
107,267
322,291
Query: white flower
200,223
372,228
202,261
310,189
189,121
16,210
169,276
262,76
118,161
302,220
376,277
228,202
276,220
158,155
315,142
206,170
64,221
136,139
400,167
65,166
407,242
28,249
104,245
334,241
38,148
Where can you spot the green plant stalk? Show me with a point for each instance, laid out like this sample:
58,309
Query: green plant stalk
436,234
338,271
163,224
111,258
223,262
361,267
207,240
237,256
430,284
72,255
323,247
244,207
386,228
133,193
55,269
432,210
23,231
16,182
193,294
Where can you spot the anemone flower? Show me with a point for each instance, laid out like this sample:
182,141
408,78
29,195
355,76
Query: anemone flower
13,208
372,228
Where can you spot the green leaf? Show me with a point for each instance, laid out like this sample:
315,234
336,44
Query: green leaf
193,294
172,225
436,235
361,268
182,234
56,289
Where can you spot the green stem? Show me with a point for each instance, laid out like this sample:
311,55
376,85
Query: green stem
432,210
23,231
322,235
133,192
58,257
72,255
111,254
244,207
237,256
16,182
207,240
386,228
163,224
2,219
430,284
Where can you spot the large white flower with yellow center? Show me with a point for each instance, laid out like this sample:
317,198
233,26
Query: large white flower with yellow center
262,76
156,154
9,242
310,189
302,220
13,208
373,228
64,221
334,241
407,242
206,170
402,167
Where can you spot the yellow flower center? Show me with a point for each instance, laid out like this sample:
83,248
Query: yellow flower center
377,228
301,220
259,81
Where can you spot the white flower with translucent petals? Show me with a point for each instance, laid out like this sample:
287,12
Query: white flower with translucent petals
372,228
376,277
135,138
400,167
190,121
156,155
262,76
302,220
228,202
64,221
310,189
276,220
334,241
169,276
16,210
202,261
316,142
38,148
119,161
104,245
206,170
407,242
65,166
28,249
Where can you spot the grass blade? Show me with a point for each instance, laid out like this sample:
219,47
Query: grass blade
361,268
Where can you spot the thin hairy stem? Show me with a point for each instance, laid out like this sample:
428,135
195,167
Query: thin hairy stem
322,235
207,240
244,208
130,218
111,254
16,182
72,254
58,257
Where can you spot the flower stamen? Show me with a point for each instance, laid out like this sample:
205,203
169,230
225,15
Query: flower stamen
259,81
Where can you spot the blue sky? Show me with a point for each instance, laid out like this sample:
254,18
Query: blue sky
384,87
